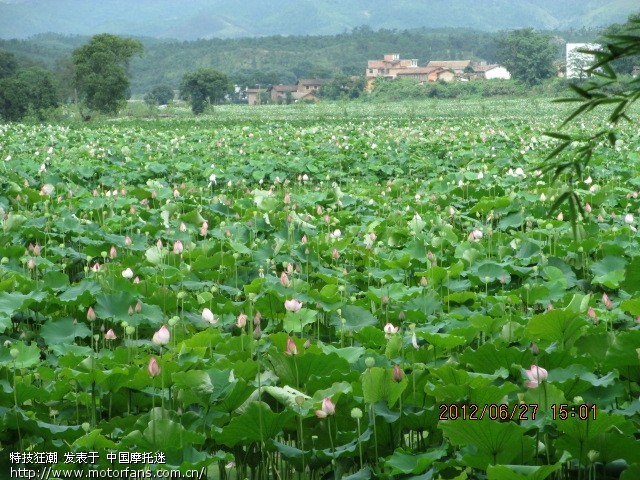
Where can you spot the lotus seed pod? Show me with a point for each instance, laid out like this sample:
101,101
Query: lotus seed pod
14,352
356,413
369,362
86,427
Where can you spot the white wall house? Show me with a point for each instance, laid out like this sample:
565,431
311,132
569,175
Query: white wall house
497,72
578,62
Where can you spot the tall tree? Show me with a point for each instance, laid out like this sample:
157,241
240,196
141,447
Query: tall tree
8,64
159,95
101,71
31,91
528,55
204,86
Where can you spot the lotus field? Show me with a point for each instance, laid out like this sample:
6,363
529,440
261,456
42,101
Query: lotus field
358,294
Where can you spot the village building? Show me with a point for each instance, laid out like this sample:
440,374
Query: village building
304,90
427,74
491,72
459,67
578,62
392,66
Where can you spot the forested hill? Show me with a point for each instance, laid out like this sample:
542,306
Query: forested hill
193,19
278,59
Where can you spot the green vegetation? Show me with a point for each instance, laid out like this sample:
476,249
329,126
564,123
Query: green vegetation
606,88
528,55
281,60
25,91
204,86
159,95
101,71
344,288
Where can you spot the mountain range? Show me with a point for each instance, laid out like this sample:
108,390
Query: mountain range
203,19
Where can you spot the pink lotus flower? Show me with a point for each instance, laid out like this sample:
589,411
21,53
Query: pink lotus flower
31,264
178,248
304,239
414,341
587,208
241,322
127,241
110,335
284,279
153,368
292,305
536,375
398,374
113,253
204,228
91,314
138,307
162,336
96,267
291,347
591,313
607,301
390,329
183,227
328,408
335,254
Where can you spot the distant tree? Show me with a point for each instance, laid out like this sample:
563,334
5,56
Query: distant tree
31,91
41,89
528,55
343,87
65,73
101,71
8,64
159,95
14,100
204,86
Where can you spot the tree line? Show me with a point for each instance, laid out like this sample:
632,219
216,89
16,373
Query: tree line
96,75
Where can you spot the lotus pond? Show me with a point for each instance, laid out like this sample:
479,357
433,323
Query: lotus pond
354,294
